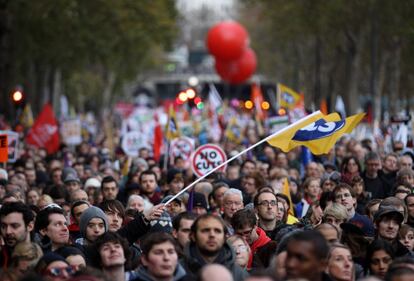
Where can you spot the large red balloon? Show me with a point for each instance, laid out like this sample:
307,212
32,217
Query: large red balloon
227,40
237,71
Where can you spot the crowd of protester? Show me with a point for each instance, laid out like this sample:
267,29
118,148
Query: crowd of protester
84,214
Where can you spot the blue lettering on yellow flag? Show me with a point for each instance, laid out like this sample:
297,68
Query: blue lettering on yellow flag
317,130
318,133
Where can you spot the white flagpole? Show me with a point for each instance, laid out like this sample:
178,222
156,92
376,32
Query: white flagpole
240,153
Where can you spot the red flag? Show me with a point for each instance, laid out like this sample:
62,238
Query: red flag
44,132
257,99
324,106
157,144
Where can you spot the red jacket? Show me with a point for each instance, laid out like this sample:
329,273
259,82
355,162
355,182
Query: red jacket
260,242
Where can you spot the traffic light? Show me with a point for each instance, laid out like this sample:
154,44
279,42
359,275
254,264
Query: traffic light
248,104
281,111
18,98
265,105
189,95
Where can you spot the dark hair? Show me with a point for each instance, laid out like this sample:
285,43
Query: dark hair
68,251
217,185
244,217
406,198
108,179
320,246
194,226
394,271
87,273
343,185
378,245
256,198
265,253
372,156
345,163
77,204
113,206
182,216
247,161
325,198
115,238
357,179
259,181
42,218
17,207
155,239
58,192
147,172
282,196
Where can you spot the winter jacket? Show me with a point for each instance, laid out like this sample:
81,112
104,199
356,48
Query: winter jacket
260,242
142,274
193,261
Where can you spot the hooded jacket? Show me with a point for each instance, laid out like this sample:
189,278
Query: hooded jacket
193,261
142,274
260,242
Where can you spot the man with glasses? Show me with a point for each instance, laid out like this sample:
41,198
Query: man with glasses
345,195
232,202
268,210
244,223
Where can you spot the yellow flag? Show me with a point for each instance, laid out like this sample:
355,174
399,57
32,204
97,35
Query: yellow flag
287,97
172,130
26,118
286,191
126,167
318,133
233,131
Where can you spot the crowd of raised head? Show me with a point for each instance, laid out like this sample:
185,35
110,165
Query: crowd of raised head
84,215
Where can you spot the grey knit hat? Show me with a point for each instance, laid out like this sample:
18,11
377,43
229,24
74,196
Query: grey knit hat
88,214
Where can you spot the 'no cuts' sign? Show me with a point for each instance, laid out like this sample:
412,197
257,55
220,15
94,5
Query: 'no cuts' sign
206,158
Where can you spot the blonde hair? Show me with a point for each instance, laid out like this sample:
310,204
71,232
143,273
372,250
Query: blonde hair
28,251
338,211
45,198
236,237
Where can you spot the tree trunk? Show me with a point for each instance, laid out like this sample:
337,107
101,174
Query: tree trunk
317,82
57,90
395,76
355,44
109,80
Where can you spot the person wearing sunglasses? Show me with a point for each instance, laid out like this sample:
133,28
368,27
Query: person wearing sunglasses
244,223
54,267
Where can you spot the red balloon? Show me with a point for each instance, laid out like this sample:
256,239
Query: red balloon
237,71
227,40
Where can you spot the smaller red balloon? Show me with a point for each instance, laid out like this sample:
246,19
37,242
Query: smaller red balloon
227,40
237,71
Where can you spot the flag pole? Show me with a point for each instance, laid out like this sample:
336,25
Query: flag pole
240,153
166,156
